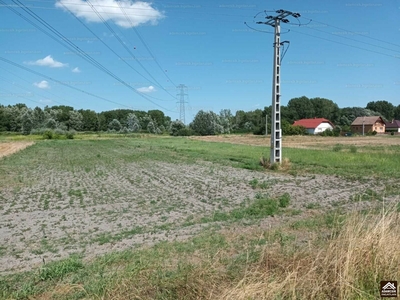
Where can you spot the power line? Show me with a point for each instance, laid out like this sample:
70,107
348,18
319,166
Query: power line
357,33
122,59
62,83
123,45
19,96
348,38
133,14
145,45
325,39
83,54
29,83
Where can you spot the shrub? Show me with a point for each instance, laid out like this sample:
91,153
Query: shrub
337,147
353,149
185,132
48,135
70,134
59,131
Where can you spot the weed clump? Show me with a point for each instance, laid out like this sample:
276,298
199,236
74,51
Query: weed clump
353,149
285,165
337,148
284,200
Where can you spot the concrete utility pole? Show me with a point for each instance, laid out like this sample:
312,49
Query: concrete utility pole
182,94
276,131
363,124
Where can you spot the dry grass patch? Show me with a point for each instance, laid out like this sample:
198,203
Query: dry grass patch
306,142
9,148
349,266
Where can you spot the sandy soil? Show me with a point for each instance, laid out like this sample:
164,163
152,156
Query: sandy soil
8,148
310,142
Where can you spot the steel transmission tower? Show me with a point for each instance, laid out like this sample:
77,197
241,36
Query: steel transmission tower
276,130
182,94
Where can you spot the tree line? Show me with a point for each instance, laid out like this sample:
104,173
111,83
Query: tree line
20,118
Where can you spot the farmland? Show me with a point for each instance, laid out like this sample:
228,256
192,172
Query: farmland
91,202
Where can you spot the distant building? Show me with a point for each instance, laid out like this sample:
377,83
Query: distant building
368,124
393,126
315,126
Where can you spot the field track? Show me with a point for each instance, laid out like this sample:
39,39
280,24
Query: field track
8,148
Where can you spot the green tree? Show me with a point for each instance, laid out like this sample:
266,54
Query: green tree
151,127
133,123
396,114
3,119
385,108
90,121
325,108
114,125
63,115
226,117
38,117
176,127
300,108
75,121
157,117
206,123
27,122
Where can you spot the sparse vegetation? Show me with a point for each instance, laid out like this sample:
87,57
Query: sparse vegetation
226,222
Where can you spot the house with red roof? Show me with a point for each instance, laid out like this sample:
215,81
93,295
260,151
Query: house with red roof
393,126
315,126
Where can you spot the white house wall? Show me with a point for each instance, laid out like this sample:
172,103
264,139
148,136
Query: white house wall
322,127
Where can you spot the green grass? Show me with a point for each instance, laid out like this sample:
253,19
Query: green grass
64,154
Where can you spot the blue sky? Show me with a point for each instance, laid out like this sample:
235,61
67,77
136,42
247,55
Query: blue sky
349,53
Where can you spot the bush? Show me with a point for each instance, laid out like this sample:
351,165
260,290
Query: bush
353,149
58,132
48,135
70,134
337,147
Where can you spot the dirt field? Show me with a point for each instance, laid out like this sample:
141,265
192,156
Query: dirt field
8,148
310,142
62,207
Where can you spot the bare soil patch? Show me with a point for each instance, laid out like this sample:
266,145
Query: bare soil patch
308,142
139,204
8,148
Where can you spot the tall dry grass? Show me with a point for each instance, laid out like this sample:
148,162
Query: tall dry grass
348,266
342,261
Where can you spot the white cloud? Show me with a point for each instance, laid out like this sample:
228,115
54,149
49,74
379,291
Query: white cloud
138,12
76,70
48,61
42,85
146,89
